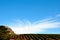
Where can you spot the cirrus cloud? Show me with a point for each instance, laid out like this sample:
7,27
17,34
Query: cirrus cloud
27,27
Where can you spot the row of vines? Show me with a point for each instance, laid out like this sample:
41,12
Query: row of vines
37,37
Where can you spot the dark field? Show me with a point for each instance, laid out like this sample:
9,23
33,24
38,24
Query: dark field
37,37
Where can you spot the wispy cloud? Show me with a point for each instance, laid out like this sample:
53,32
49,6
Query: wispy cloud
23,27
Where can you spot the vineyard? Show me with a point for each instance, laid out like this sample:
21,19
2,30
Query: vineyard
37,37
7,34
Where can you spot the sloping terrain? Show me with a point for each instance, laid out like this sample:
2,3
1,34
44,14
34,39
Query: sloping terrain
7,34
39,37
5,28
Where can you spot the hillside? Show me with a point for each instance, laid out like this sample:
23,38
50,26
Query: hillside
7,29
13,36
40,37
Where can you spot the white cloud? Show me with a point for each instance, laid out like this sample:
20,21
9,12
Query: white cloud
39,26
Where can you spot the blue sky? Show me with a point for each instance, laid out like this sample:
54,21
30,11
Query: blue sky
29,13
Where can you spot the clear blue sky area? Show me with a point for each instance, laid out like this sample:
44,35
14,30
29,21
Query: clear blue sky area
28,9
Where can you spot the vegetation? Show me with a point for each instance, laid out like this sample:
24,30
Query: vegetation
40,36
3,33
6,34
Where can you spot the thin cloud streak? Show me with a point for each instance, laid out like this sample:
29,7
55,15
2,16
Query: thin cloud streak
40,26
